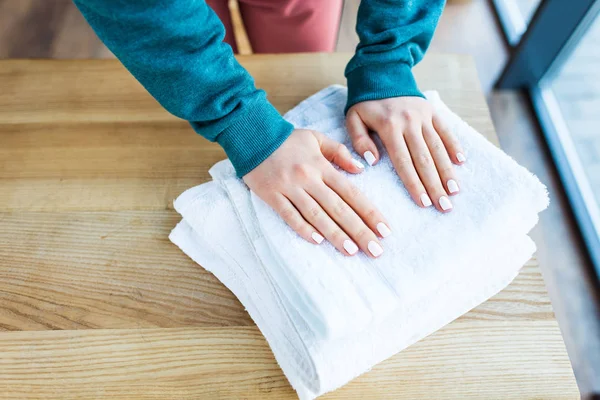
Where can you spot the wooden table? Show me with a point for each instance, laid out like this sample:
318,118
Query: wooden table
95,301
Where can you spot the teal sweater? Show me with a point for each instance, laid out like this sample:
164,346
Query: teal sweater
175,49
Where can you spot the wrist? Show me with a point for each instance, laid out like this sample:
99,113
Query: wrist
380,81
254,136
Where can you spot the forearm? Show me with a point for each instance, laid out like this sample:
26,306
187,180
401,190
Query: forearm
394,35
175,49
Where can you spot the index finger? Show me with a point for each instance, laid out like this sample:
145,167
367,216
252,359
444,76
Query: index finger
452,145
358,201
403,164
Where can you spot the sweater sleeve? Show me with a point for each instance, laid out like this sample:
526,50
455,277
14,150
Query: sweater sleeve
394,35
175,49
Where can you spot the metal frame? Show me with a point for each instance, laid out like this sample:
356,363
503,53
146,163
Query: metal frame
550,29
570,170
554,31
511,20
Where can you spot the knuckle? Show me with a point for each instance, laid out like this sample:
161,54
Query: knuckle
300,171
424,160
288,214
403,162
337,236
340,208
446,171
362,235
353,192
315,212
407,115
388,119
437,146
371,215
414,186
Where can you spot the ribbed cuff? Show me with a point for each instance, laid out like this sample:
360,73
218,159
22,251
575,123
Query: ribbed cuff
252,138
380,81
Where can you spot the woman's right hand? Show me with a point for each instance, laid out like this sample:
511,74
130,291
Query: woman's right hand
299,182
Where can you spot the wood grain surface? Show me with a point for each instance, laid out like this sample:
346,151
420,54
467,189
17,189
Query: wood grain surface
96,302
146,280
463,360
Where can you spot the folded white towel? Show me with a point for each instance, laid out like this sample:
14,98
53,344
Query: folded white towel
327,317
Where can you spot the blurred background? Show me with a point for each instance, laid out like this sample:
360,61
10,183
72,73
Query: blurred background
539,65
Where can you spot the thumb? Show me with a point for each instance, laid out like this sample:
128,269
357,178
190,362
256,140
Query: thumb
361,140
338,154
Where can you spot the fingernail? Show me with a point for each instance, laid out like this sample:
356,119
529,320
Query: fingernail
358,164
383,230
452,186
425,200
317,238
369,158
461,157
375,248
445,203
350,247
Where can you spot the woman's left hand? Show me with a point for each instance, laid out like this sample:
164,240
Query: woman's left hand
420,146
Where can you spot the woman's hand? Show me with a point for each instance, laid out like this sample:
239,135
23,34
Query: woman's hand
314,198
420,147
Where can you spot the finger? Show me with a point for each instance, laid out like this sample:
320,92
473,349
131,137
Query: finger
288,212
348,220
361,140
314,213
339,154
358,201
441,159
457,155
400,156
426,169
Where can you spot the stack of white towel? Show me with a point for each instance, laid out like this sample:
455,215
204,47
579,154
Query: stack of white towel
327,317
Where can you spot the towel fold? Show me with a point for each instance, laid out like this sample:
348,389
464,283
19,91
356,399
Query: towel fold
328,318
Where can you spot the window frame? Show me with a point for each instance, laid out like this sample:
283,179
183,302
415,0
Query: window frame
536,55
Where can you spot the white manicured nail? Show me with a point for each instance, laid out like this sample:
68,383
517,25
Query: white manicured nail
317,238
350,247
445,203
452,186
425,200
358,164
461,157
369,158
375,248
383,230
